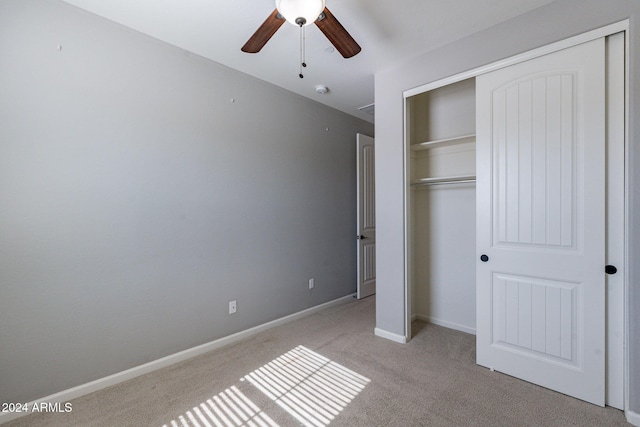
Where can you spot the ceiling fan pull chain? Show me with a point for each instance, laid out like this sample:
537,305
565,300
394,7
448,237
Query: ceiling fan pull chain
302,53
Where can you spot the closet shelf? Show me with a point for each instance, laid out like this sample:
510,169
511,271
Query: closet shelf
459,179
427,145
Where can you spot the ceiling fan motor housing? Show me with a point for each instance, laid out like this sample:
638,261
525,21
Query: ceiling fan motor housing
300,12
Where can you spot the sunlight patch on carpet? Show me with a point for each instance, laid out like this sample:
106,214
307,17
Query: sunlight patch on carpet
229,408
310,387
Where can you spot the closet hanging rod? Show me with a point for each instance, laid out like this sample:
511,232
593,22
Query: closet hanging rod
442,181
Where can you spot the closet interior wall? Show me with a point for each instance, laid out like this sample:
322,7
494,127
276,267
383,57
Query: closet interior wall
441,135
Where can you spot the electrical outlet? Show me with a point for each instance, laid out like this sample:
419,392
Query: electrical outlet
232,307
312,283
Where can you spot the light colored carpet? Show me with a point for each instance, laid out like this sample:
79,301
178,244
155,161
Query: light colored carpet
342,374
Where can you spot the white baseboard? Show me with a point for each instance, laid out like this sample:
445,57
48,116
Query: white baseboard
390,336
403,339
99,384
444,323
633,418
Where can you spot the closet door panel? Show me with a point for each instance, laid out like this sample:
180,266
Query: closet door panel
543,180
540,220
535,316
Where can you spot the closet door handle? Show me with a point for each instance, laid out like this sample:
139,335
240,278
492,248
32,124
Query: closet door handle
361,237
484,258
610,269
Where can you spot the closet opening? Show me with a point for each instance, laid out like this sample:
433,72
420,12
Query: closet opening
441,201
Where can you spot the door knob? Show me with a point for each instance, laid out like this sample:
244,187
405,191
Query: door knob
610,269
361,237
484,258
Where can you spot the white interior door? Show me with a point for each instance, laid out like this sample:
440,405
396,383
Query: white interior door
366,221
541,221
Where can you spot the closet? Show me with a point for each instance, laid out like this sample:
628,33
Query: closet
514,213
441,130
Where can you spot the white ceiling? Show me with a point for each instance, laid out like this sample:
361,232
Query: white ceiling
387,31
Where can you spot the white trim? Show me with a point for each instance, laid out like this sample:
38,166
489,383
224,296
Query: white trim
616,154
407,224
627,231
444,323
525,56
102,383
390,336
633,418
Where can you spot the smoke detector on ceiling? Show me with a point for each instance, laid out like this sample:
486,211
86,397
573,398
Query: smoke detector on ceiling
322,89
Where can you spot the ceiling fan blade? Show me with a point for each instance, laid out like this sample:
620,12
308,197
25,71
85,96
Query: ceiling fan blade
337,35
264,33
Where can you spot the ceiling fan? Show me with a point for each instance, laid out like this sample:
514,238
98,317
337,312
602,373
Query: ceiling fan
302,13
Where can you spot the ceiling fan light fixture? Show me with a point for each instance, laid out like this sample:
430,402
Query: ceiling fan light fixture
300,12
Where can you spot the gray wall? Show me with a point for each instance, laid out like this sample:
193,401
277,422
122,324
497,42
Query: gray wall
550,23
136,199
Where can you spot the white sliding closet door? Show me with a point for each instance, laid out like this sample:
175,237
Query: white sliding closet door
541,221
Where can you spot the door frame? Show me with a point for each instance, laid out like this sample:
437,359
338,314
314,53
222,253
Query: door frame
622,26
